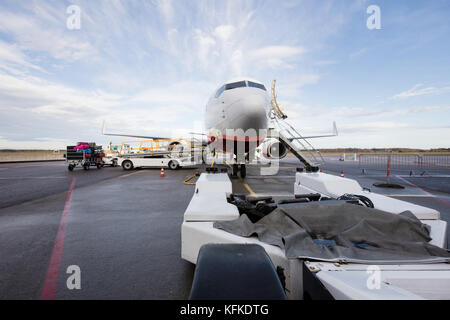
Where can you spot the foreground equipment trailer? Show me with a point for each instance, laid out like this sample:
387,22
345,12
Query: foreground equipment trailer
334,240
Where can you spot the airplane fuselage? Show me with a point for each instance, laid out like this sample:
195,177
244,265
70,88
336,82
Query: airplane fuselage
237,112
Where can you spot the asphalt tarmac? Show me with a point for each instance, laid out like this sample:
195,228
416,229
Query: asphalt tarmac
122,228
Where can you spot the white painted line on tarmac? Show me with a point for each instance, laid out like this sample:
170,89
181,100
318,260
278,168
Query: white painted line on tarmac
271,177
372,176
410,195
425,176
405,176
130,174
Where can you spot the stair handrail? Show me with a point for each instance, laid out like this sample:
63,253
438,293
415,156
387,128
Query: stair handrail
283,125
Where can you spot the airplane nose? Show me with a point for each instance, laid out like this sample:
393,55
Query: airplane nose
250,113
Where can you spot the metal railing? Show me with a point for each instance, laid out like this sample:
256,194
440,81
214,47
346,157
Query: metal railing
303,146
157,147
406,162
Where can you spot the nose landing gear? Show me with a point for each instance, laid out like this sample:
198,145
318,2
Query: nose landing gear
243,171
239,168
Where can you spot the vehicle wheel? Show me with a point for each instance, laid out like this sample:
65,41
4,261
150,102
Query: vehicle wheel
70,167
243,171
99,166
86,167
173,165
114,163
127,165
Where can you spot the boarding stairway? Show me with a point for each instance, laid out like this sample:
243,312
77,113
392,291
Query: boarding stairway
291,138
296,144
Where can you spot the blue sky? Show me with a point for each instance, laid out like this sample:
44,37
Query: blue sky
149,67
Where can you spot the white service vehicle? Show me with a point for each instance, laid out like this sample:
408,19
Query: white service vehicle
132,162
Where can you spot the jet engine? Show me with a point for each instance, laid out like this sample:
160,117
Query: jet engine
273,149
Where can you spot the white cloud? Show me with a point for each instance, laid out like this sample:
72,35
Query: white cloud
166,9
160,111
224,32
276,56
205,44
36,35
237,61
192,94
419,90
12,57
376,126
35,95
291,87
295,110
360,112
358,53
277,51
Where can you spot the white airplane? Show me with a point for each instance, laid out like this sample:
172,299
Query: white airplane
236,121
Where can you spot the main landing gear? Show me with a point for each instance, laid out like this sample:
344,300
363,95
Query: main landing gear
239,168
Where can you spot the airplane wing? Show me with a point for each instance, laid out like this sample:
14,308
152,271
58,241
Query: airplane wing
334,134
128,135
197,134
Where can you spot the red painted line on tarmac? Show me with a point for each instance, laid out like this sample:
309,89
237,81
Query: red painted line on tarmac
51,280
432,195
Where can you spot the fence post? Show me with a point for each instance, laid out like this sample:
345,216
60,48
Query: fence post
388,173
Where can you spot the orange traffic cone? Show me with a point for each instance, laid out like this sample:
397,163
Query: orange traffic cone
342,173
162,175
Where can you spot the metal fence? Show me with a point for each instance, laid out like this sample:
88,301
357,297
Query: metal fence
406,162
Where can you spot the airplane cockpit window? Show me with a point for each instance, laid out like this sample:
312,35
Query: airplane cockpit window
239,84
235,85
219,92
256,85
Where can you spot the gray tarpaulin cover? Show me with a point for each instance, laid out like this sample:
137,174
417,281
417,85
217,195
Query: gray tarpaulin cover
344,232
